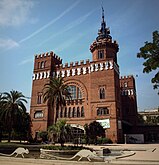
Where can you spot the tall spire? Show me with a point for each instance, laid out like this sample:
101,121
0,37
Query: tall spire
103,32
102,14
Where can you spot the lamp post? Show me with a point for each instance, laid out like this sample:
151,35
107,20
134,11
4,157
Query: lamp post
125,138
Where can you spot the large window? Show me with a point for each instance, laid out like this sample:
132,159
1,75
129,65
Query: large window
75,92
39,98
82,111
100,54
38,114
102,92
65,113
102,111
69,112
78,112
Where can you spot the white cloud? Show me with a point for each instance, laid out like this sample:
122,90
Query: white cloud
70,26
14,13
69,43
8,43
30,60
51,22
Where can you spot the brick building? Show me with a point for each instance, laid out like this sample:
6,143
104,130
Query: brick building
98,92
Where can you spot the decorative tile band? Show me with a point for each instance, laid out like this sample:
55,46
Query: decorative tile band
81,70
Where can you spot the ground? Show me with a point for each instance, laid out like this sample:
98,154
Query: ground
147,154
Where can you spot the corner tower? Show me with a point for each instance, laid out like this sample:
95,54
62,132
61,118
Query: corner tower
103,47
104,50
44,66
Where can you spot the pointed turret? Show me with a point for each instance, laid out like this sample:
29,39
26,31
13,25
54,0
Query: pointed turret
103,48
103,32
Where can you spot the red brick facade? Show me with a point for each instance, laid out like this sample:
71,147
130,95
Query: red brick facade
97,90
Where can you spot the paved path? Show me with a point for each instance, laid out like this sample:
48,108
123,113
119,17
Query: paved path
146,154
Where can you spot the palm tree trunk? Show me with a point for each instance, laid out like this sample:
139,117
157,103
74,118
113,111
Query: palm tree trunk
54,109
57,113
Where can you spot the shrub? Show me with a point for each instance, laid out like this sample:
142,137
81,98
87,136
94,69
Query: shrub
43,135
64,147
104,140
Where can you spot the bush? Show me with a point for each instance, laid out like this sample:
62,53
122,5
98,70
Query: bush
104,140
43,135
64,147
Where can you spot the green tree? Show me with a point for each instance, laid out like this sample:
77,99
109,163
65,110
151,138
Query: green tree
43,135
55,94
150,53
12,107
60,131
23,127
94,130
140,119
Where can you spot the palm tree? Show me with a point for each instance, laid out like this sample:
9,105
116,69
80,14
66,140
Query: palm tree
60,132
22,128
12,108
56,93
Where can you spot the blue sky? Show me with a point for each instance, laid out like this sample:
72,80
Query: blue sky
29,27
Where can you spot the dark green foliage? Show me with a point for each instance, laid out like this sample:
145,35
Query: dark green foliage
22,128
150,53
93,130
59,132
140,119
55,94
64,147
103,140
13,115
43,135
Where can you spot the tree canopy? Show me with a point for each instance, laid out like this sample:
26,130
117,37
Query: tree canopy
150,53
13,115
55,94
93,130
60,132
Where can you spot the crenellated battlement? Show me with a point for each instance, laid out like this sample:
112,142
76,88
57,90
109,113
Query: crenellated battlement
74,64
127,85
127,77
48,54
83,68
75,69
104,42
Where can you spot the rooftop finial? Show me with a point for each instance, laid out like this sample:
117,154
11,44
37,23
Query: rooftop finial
102,14
103,32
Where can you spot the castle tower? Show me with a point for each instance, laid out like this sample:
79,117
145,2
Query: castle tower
104,49
129,102
44,66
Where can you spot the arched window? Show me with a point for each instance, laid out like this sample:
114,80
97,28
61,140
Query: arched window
42,65
65,113
78,112
38,114
79,94
61,113
69,112
98,112
75,92
82,111
101,111
74,112
39,98
102,93
100,54
125,84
